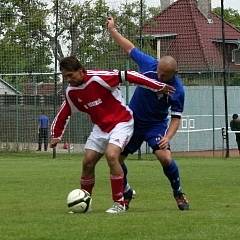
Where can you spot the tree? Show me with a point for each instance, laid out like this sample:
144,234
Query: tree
22,48
82,31
80,28
130,20
230,15
233,17
28,33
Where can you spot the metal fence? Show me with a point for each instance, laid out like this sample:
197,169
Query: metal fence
36,34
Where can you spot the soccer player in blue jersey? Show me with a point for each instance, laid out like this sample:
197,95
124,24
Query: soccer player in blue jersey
43,122
150,111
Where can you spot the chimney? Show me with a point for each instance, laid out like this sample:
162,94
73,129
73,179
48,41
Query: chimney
165,4
205,8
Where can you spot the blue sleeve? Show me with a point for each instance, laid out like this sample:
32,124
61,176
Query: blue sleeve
144,61
177,103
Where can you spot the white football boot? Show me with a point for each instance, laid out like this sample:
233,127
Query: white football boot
116,208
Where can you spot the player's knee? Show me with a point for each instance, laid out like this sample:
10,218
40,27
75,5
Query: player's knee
165,162
112,159
112,156
88,166
164,157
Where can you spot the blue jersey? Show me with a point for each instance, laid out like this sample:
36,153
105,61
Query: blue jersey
43,121
150,107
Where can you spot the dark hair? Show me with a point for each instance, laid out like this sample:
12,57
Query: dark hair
234,116
70,64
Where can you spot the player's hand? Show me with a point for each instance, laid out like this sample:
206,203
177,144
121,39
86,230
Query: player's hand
164,143
54,142
110,23
167,89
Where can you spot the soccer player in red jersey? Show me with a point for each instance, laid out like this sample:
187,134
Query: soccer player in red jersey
97,93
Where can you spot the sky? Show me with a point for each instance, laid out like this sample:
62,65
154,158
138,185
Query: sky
235,4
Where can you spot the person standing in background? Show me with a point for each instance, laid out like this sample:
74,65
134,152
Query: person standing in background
235,126
43,122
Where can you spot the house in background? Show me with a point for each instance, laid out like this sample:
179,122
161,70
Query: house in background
31,94
7,89
192,34
44,89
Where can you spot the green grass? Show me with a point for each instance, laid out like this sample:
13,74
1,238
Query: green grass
33,190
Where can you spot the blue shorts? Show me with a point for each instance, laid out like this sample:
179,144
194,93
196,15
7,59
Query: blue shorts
150,134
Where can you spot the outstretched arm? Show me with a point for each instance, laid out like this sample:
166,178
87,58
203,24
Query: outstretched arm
139,79
123,42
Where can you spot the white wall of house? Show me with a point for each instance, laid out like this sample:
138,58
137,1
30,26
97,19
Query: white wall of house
6,89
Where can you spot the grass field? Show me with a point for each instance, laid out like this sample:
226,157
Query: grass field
34,187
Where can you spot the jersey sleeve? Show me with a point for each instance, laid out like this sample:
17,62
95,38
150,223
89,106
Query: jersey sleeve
177,103
112,79
144,61
107,79
61,120
139,79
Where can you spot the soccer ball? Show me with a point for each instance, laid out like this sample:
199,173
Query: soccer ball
79,201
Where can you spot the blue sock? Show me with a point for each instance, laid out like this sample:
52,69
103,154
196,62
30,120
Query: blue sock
172,173
125,172
127,189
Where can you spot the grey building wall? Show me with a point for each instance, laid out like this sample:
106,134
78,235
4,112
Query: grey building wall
201,125
203,117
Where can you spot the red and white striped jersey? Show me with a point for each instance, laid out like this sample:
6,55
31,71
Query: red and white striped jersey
99,96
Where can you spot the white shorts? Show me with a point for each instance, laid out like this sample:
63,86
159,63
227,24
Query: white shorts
120,136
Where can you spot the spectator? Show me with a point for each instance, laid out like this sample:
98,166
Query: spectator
43,122
235,126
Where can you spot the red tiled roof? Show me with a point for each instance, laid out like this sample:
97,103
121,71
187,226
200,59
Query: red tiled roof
194,46
41,89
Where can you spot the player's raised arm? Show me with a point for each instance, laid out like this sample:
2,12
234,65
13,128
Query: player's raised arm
123,42
139,79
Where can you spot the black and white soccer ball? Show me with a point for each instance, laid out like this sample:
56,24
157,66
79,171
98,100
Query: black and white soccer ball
79,201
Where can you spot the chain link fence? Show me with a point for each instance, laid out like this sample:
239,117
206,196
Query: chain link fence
36,34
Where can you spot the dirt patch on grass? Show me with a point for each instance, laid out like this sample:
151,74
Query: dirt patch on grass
209,153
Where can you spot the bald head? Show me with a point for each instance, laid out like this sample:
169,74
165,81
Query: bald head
167,68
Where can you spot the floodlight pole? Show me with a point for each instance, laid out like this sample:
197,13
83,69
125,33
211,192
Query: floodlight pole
141,24
55,65
55,55
224,80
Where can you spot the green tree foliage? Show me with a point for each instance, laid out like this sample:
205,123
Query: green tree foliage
82,31
130,19
28,33
233,17
79,24
230,15
22,47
